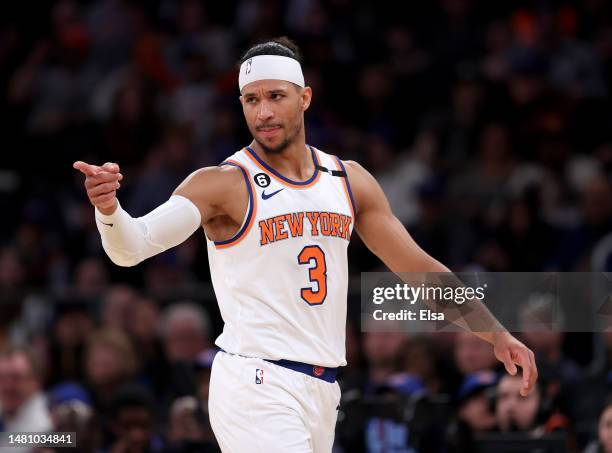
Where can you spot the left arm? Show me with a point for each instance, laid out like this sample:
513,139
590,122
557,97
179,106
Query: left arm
387,238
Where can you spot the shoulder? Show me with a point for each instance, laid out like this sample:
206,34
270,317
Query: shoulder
213,184
218,174
366,190
359,178
354,168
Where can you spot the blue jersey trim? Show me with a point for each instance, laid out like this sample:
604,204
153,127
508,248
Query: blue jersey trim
247,222
348,184
278,175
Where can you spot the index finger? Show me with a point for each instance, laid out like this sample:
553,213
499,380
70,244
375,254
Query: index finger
111,166
529,372
87,169
533,375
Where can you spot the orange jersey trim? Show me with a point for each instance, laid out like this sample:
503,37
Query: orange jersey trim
251,210
282,179
347,187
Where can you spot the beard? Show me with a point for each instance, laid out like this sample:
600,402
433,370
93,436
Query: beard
278,149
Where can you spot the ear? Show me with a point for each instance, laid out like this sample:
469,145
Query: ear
306,98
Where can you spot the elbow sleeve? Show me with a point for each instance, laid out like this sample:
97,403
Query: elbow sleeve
127,241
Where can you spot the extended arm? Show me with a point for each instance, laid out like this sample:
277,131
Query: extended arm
128,240
387,238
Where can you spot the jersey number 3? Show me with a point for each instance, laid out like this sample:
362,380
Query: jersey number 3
313,254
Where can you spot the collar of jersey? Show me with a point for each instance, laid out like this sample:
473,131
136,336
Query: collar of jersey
297,184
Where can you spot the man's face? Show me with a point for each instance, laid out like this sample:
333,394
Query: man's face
513,410
134,428
104,366
274,112
184,340
605,429
17,382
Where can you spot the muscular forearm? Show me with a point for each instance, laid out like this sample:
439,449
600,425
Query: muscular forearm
472,315
128,241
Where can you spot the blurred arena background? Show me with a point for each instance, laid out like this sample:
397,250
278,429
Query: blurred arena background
489,125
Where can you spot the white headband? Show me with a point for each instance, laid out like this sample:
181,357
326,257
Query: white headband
270,67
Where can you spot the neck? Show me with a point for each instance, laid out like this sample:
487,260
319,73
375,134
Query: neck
294,162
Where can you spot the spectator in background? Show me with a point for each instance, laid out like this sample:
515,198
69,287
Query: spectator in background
512,413
535,414
596,222
189,429
72,326
420,357
71,411
117,306
474,411
133,422
541,326
474,401
483,182
603,444
133,127
382,353
163,169
185,331
22,403
90,278
144,329
110,361
523,233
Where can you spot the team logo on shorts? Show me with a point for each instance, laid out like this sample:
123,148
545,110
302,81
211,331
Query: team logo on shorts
318,370
262,180
258,376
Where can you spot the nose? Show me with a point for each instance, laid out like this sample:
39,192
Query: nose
265,112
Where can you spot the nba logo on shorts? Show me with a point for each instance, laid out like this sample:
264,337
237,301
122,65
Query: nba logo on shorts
258,376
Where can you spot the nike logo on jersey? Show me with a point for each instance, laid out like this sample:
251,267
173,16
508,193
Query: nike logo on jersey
107,224
265,195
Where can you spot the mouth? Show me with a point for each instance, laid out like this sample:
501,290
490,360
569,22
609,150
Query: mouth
268,131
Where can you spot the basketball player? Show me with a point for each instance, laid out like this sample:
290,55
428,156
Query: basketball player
277,216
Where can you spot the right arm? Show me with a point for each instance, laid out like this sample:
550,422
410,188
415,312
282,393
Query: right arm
128,240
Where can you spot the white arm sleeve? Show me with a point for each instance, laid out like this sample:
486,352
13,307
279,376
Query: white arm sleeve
128,241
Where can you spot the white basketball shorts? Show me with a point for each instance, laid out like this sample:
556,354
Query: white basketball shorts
257,406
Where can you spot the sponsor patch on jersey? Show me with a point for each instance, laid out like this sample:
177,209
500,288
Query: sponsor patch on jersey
262,180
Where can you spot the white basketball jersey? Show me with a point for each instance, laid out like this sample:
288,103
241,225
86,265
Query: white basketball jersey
281,281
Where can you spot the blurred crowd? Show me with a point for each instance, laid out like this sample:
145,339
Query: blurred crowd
488,124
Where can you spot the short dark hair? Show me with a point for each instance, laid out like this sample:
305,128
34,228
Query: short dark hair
282,46
132,395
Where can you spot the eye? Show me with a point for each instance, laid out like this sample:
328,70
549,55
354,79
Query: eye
250,100
276,96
